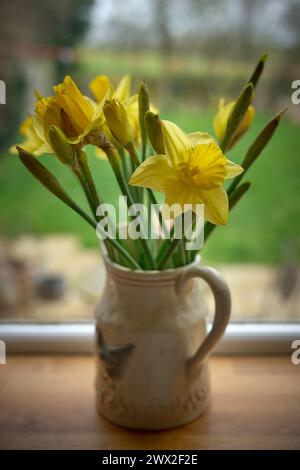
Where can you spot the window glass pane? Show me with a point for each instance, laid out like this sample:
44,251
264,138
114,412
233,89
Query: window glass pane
50,262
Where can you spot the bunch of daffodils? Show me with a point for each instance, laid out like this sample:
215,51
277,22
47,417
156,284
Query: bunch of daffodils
148,155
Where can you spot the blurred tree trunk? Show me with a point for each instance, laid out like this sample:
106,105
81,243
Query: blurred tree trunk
161,9
249,9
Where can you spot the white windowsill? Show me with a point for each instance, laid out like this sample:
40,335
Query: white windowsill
240,338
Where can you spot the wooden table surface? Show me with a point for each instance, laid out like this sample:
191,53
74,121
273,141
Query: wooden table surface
47,402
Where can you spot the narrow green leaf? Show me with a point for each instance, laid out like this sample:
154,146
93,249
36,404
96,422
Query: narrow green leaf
257,147
238,193
43,175
258,70
261,141
237,114
50,182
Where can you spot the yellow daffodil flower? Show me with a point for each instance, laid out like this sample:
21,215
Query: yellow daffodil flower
32,143
192,172
101,87
36,128
84,114
222,116
47,114
69,110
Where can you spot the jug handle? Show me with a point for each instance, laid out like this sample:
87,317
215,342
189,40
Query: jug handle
222,299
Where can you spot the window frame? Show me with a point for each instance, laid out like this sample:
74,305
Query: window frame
79,338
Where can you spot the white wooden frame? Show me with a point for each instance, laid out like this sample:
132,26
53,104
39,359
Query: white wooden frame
78,338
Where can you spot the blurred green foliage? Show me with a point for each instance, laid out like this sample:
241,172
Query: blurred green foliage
258,229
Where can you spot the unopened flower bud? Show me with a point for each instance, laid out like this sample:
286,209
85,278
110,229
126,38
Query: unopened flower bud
61,147
144,106
154,132
117,120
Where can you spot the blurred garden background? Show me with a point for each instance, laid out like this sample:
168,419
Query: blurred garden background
190,53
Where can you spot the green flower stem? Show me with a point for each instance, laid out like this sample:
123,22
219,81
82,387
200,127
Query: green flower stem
133,155
180,256
115,164
235,183
171,247
168,251
124,163
164,247
144,150
124,253
183,254
45,177
84,184
110,244
136,192
192,253
83,162
92,203
208,229
83,214
153,200
144,244
90,190
135,163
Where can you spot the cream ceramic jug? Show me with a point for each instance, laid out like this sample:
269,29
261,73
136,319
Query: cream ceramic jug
152,344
